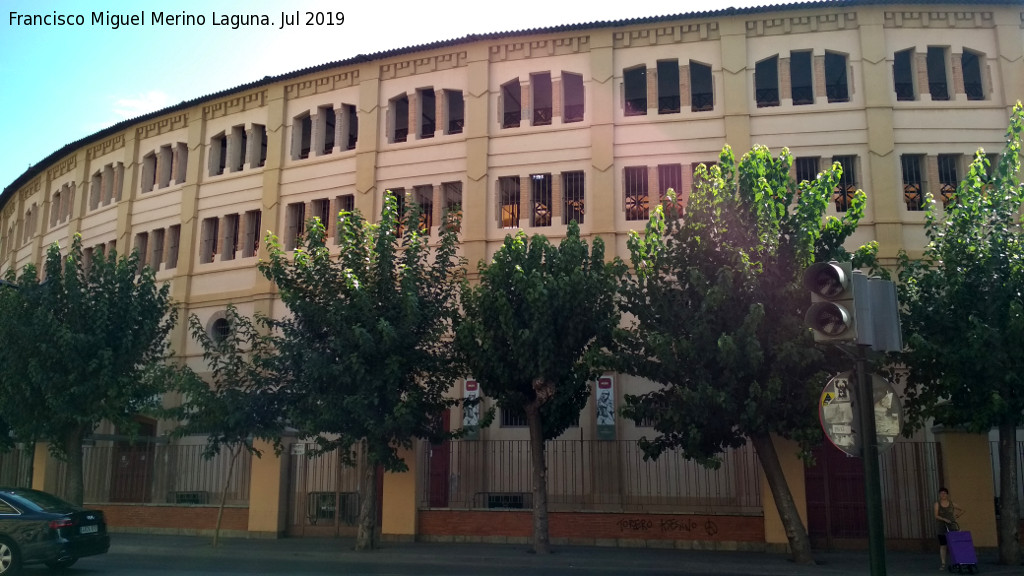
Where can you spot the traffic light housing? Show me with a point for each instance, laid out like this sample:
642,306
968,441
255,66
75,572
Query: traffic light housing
833,311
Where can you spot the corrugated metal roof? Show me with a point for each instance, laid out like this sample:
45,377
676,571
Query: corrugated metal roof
38,167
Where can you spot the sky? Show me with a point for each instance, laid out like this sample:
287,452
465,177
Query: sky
61,83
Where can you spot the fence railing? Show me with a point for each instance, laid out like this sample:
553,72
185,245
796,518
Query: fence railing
16,468
588,475
150,473
994,458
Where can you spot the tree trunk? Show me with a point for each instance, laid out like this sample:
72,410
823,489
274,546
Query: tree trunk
75,488
1009,512
796,533
366,537
235,451
541,537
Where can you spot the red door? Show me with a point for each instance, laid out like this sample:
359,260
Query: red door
133,467
440,468
836,508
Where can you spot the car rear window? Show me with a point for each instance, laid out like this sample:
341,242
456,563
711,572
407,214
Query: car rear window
39,501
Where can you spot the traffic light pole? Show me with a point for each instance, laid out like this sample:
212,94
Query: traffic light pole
869,453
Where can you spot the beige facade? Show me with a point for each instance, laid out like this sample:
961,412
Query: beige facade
529,131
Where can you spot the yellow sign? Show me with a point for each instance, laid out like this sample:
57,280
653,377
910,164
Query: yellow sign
826,398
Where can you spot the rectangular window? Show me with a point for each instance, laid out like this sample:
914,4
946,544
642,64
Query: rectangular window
173,241
149,167
542,100
511,104
508,201
400,207
670,177
913,194
970,62
399,110
95,190
302,128
949,177
210,228
801,77
572,97
668,86
936,60
837,86
540,196
903,74
258,154
451,193
229,237
702,93
322,212
635,192
351,120
574,196
251,239
345,203
141,248
766,82
164,162
428,112
295,225
512,418
807,169
846,189
156,248
635,88
235,150
424,196
456,111
326,123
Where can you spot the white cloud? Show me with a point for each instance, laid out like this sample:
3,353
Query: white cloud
143,104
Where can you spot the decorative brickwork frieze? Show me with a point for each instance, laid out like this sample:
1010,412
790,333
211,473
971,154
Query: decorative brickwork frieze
107,146
939,19
163,125
234,105
802,24
539,48
63,167
691,32
414,66
321,84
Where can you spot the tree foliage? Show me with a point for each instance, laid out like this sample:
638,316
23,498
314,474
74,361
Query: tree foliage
533,332
86,344
963,316
718,309
244,399
366,349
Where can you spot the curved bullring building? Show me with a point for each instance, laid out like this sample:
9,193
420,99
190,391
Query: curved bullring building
533,129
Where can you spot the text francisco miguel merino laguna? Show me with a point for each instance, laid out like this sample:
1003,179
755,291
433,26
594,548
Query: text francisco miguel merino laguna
115,21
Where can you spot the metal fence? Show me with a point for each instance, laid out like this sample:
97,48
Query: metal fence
324,495
994,458
910,475
145,473
588,475
16,468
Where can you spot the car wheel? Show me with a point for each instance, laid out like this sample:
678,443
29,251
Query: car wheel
9,559
60,564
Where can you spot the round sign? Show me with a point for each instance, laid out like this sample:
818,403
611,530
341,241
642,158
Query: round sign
837,410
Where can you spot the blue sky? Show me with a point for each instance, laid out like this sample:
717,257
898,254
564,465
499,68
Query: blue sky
63,83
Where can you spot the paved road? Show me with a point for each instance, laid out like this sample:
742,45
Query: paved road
151,555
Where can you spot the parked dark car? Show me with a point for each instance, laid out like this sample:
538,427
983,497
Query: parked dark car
39,528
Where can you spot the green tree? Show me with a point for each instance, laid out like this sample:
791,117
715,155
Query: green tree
718,316
243,401
367,346
532,335
87,344
963,317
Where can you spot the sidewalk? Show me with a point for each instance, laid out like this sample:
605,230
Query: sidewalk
579,559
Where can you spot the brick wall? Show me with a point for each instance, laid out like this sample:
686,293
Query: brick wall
591,527
133,517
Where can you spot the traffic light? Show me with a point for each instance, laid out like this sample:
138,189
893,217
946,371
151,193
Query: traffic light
833,311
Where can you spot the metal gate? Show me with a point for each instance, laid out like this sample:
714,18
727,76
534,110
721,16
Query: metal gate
324,495
836,510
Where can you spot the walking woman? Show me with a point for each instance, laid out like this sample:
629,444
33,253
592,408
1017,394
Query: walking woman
946,514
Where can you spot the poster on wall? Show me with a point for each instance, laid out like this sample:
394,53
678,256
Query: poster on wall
605,408
471,410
